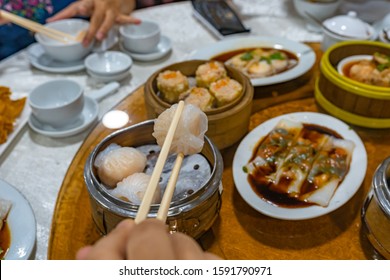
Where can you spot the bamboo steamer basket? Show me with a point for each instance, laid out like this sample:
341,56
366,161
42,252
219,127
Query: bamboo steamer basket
354,102
192,215
227,124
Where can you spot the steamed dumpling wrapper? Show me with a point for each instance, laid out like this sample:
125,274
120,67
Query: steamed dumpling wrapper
189,134
133,188
116,163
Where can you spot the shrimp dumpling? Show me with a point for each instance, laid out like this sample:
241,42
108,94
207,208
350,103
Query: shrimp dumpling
189,135
118,163
133,188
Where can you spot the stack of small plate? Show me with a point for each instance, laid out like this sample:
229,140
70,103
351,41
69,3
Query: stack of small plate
108,66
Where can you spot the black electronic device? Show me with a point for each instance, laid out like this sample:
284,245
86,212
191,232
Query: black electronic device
219,17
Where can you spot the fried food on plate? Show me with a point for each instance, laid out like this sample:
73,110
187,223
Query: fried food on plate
10,110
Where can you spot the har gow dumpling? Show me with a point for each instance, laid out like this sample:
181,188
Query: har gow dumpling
189,135
133,189
118,163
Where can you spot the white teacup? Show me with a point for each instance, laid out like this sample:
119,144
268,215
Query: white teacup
57,102
141,38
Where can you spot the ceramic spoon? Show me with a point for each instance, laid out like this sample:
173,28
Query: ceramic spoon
103,92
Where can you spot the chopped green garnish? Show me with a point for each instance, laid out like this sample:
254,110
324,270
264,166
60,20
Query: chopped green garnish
265,58
277,55
245,169
382,67
246,56
381,55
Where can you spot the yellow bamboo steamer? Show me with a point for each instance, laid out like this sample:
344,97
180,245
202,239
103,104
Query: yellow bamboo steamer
227,124
352,101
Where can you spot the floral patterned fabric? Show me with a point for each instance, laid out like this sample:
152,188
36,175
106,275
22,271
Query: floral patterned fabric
35,10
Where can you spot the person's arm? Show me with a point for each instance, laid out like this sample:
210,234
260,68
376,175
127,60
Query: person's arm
103,13
149,240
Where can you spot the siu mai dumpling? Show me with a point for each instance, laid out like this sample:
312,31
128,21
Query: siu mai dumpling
171,84
225,91
118,163
133,189
209,72
200,97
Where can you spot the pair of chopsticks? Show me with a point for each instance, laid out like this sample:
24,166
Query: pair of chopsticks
39,28
162,213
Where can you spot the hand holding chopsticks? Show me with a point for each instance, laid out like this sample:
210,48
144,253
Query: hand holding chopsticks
153,183
39,28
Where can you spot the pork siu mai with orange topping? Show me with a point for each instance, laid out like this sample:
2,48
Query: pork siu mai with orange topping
171,84
225,90
200,97
209,72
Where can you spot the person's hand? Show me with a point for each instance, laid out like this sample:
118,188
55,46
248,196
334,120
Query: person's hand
104,14
149,240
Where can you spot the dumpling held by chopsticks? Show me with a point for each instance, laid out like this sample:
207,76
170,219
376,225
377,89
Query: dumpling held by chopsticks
189,135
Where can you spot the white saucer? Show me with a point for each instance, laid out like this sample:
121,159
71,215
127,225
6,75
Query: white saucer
162,49
21,223
88,116
39,59
109,78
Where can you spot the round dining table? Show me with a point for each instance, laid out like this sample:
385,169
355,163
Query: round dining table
36,165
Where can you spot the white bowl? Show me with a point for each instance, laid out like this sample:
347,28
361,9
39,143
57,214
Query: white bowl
57,102
318,10
70,51
141,38
349,59
108,63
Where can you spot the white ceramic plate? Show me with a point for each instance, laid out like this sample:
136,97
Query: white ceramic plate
345,190
19,124
305,54
21,222
87,118
39,59
163,48
351,58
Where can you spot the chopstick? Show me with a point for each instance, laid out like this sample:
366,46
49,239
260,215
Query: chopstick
143,209
37,27
169,190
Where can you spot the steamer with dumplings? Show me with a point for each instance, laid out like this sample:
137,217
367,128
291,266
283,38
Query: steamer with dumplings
193,215
228,123
349,100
